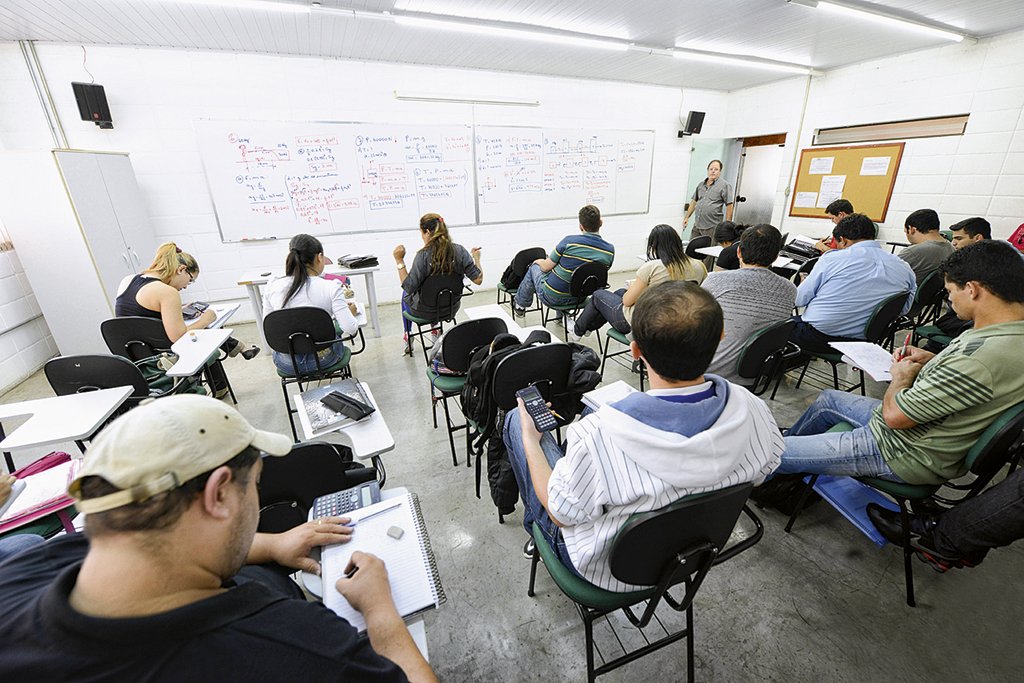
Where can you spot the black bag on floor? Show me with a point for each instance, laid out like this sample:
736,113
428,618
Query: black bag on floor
782,493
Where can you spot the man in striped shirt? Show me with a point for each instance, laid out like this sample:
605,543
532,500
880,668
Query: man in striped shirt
937,405
549,277
690,433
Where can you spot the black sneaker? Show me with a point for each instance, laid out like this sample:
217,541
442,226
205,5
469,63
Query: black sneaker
518,312
251,352
529,549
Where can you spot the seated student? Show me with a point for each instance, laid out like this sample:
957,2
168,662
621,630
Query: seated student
302,285
727,236
439,256
667,260
688,434
962,535
837,211
967,231
751,297
170,490
928,248
156,293
550,277
846,285
936,405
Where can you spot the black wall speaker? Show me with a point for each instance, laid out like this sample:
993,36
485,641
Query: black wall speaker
694,122
92,104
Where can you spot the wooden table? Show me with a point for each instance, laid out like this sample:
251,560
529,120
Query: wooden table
57,419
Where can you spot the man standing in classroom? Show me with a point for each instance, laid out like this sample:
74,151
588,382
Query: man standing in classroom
712,201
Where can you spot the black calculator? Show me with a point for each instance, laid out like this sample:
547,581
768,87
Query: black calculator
538,409
343,502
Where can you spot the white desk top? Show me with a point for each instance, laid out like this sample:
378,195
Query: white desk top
224,314
367,438
496,311
61,418
259,278
780,262
192,355
710,251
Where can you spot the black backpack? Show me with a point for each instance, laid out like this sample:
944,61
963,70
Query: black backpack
510,279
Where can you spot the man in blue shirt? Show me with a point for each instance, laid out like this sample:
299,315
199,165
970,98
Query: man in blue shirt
846,285
550,277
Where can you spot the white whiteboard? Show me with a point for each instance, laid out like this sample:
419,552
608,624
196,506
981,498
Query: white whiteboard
277,179
541,173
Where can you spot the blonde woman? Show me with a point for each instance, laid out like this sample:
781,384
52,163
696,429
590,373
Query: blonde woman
439,256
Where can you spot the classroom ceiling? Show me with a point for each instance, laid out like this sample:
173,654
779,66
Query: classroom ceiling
771,29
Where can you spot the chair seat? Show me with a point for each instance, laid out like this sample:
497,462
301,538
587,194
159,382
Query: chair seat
337,367
617,336
568,306
900,490
446,384
831,357
503,288
578,589
418,320
934,334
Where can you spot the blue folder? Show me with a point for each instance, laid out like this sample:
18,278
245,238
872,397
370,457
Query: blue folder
851,498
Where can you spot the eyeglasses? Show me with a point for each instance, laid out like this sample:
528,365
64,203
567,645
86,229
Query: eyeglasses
191,277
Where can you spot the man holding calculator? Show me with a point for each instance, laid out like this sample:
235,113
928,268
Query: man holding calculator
690,433
170,490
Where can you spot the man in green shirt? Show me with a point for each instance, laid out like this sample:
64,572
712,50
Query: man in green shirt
937,405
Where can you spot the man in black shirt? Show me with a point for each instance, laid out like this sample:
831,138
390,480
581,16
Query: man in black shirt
170,493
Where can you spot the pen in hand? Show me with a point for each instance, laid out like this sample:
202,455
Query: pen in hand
903,351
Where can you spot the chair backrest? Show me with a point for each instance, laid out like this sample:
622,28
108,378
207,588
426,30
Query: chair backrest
805,267
135,337
289,485
77,374
882,318
659,546
587,279
522,261
930,294
460,341
698,243
546,365
299,330
763,345
996,446
444,292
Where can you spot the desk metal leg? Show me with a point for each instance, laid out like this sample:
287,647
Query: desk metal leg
382,474
256,301
371,295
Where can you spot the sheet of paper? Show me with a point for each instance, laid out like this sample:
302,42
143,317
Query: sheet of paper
821,165
871,358
831,189
43,487
806,199
874,166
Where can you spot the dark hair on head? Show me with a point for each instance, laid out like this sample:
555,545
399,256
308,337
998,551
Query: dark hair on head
839,206
760,245
855,227
677,326
439,245
665,245
590,218
727,231
923,220
162,510
974,227
302,252
993,264
716,161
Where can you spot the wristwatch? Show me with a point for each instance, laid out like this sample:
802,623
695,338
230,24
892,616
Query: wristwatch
400,266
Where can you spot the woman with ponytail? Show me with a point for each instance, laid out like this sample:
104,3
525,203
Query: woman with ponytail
667,260
302,285
439,256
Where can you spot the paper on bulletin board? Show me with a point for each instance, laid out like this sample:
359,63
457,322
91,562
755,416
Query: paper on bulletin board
874,166
831,189
805,200
821,166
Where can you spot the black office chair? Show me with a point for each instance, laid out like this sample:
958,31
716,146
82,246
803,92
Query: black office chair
805,268
299,331
586,280
459,344
288,485
765,356
445,291
138,338
521,262
928,300
698,243
656,551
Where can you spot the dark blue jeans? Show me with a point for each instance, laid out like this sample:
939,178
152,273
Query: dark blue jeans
604,307
991,520
307,361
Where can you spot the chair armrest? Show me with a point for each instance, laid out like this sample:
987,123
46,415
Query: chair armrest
747,543
351,339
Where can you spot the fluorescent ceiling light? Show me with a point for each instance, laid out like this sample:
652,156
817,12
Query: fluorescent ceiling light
457,9
467,99
488,30
752,62
317,8
266,5
881,18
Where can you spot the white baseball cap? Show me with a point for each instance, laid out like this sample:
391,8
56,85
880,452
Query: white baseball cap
164,443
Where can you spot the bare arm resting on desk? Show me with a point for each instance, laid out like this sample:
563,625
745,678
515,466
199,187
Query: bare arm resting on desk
291,548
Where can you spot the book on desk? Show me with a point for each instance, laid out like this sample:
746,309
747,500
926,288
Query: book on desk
323,419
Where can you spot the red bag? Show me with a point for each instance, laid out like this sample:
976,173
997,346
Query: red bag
58,504
1017,238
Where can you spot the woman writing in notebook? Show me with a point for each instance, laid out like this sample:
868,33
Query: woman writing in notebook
302,285
667,260
439,256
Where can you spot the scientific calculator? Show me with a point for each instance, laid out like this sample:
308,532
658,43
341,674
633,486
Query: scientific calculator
542,416
343,502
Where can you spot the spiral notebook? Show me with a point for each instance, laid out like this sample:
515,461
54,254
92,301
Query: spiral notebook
412,572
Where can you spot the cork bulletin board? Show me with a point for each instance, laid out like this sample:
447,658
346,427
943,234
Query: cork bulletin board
862,174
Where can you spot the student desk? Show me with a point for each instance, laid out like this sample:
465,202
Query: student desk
253,280
192,355
368,438
498,311
224,314
59,418
780,262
